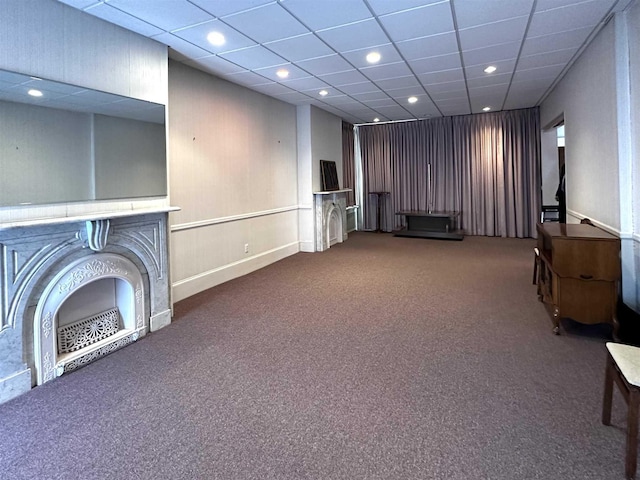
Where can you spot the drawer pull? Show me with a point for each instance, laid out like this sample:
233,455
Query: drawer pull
586,277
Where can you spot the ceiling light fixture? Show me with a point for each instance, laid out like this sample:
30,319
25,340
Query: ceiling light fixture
490,69
376,119
323,93
35,93
486,109
412,99
282,73
373,57
216,39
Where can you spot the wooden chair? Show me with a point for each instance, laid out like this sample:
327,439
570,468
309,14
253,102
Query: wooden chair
623,368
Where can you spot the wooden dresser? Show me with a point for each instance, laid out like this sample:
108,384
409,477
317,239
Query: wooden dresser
578,270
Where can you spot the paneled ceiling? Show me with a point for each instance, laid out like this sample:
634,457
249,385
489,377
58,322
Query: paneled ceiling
433,50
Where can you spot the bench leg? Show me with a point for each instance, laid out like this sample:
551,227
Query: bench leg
608,392
632,434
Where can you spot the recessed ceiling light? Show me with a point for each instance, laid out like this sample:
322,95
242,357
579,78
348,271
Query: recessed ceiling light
373,57
35,93
282,73
376,119
323,93
216,38
412,99
486,109
490,69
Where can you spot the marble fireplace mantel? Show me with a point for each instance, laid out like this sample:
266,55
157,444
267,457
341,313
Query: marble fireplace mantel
330,218
37,253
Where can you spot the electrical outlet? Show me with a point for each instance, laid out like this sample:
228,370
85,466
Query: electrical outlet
246,248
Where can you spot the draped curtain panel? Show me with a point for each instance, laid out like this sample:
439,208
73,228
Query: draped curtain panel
485,166
348,162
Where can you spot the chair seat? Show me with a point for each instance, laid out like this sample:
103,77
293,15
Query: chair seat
627,358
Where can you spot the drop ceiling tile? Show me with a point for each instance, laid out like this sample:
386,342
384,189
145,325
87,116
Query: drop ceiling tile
503,66
388,102
118,17
455,86
248,79
453,110
295,98
359,88
505,31
418,22
539,73
452,75
543,5
452,95
388,71
358,59
308,83
488,55
382,7
490,79
300,48
429,46
342,101
252,23
401,82
181,46
254,57
470,13
271,72
545,59
586,14
80,4
394,113
371,96
489,91
325,65
215,64
223,8
197,35
327,14
548,43
401,94
354,36
343,78
167,15
272,88
441,62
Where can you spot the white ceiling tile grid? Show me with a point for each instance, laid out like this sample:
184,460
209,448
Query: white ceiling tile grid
435,50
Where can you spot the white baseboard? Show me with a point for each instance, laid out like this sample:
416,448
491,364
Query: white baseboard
15,384
205,280
160,320
307,246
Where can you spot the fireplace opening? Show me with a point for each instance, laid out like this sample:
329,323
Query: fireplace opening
95,313
93,307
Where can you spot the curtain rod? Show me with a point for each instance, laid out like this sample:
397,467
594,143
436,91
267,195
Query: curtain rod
391,121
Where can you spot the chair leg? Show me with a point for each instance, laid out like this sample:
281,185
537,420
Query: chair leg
608,392
632,434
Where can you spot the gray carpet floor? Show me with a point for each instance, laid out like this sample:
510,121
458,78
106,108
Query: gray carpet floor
381,358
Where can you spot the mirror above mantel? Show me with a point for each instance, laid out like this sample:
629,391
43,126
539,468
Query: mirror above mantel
73,144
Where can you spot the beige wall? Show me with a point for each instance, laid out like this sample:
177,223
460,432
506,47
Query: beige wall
587,97
600,100
233,173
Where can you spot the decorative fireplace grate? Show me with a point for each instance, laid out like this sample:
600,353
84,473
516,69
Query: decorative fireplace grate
81,334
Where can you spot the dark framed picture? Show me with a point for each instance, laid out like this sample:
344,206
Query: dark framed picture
329,175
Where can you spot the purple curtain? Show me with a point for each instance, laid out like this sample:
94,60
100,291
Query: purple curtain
348,165
484,166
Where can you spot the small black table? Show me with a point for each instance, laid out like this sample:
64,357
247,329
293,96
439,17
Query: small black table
424,224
